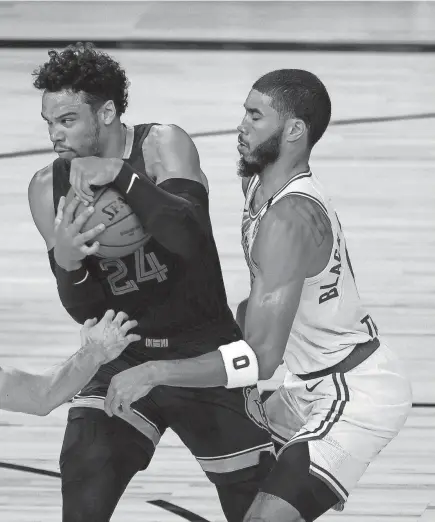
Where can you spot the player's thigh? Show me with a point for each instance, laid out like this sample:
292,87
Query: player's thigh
215,425
291,492
144,414
284,415
95,443
99,457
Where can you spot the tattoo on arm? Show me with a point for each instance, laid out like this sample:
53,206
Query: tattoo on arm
314,216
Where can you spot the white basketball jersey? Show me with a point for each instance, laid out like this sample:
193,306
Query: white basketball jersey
330,319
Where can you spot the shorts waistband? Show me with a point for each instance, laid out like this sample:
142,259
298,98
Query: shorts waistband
224,328
359,354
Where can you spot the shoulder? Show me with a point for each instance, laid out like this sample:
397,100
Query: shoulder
40,195
168,134
293,226
41,184
170,152
294,213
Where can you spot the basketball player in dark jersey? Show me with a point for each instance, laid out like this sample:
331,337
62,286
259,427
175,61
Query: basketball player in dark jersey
172,286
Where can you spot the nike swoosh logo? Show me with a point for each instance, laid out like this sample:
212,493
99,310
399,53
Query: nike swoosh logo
312,387
133,177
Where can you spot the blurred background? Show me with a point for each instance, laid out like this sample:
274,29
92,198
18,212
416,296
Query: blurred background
192,64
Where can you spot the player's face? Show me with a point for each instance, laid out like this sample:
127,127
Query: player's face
72,126
260,135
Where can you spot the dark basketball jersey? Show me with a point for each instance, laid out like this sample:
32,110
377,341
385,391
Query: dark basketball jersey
172,300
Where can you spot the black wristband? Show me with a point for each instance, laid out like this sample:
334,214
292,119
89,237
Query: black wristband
78,288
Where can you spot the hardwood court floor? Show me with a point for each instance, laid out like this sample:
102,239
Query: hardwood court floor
381,178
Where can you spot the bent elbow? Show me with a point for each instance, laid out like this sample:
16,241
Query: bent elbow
267,369
42,406
43,412
265,372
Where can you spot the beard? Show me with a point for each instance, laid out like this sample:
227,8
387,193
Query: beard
93,140
90,145
263,155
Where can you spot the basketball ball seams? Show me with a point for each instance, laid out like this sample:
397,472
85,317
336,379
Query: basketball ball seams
119,220
125,225
100,195
122,246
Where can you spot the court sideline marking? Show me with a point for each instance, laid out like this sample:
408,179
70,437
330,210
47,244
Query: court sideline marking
227,132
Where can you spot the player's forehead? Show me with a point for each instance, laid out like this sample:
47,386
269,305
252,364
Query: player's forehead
56,104
259,102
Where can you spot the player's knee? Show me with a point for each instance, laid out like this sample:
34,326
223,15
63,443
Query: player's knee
267,508
238,489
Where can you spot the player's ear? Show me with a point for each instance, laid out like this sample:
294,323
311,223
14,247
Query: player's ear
107,112
294,129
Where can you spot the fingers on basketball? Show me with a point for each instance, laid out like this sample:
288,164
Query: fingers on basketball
84,237
81,218
60,208
90,250
69,210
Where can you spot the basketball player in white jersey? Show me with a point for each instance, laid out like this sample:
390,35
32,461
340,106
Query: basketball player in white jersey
345,396
39,394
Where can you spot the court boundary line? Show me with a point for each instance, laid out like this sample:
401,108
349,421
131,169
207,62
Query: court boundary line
228,132
227,45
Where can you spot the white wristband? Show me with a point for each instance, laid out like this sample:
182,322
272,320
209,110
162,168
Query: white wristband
241,364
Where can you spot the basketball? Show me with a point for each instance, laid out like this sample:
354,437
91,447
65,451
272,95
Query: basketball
124,233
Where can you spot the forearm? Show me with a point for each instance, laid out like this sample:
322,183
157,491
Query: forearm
172,220
205,371
241,315
40,394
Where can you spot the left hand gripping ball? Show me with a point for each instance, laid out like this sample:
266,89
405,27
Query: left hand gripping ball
124,233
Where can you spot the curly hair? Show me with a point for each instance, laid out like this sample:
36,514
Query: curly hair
82,68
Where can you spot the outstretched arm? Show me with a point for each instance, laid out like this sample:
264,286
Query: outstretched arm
40,394
284,248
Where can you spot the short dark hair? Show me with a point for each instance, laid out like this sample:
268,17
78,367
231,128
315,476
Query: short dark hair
82,68
301,94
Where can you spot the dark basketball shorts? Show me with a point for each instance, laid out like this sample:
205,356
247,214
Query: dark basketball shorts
225,429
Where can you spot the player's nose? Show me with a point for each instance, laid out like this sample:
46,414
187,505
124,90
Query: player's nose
241,128
56,135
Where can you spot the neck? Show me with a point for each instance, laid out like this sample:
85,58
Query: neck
282,171
115,145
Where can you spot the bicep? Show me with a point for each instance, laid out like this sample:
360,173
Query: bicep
42,210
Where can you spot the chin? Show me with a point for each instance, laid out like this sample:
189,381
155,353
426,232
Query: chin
246,169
